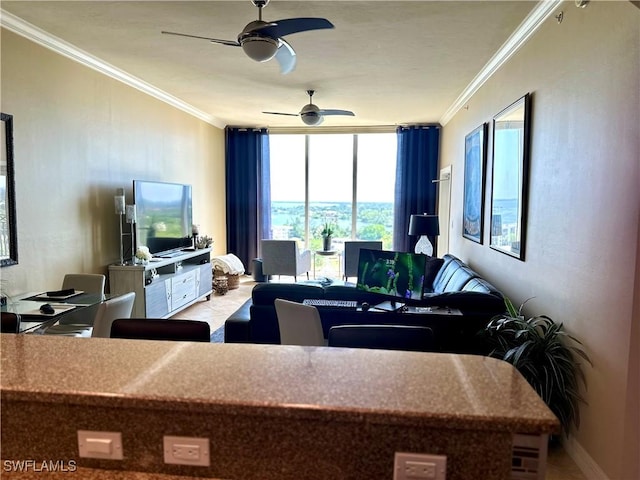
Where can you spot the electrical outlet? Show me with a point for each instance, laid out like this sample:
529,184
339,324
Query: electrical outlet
186,451
107,445
425,470
416,466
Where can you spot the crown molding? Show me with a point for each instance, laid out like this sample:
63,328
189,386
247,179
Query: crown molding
518,38
31,32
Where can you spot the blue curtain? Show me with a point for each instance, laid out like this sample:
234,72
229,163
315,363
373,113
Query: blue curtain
248,191
417,166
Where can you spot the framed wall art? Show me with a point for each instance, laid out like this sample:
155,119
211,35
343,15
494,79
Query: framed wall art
475,155
510,177
8,225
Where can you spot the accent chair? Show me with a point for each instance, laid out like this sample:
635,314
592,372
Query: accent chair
352,253
283,257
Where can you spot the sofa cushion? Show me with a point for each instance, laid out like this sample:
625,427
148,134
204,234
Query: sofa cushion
453,275
468,302
266,293
450,265
434,264
350,292
480,285
458,279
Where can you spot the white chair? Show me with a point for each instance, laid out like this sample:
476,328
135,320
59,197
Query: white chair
352,254
108,311
299,324
282,257
112,309
86,282
90,283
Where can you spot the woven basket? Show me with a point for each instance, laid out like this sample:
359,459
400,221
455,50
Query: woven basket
233,280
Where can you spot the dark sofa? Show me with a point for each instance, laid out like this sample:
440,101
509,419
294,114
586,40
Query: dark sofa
454,285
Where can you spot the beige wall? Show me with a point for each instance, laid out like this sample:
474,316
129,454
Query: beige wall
78,136
582,241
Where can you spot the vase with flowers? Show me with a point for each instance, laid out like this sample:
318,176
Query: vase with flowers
142,256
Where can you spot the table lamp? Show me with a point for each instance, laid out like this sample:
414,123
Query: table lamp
423,225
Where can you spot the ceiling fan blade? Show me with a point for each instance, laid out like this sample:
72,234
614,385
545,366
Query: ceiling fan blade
231,43
280,113
287,26
337,112
286,57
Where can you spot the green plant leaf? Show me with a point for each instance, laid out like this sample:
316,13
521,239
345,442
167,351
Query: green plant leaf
545,354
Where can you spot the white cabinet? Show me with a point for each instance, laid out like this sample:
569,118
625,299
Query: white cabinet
166,286
183,289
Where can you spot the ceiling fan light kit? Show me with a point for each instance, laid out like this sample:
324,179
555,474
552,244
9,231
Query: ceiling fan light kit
311,114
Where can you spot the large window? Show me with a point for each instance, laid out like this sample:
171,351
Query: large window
347,180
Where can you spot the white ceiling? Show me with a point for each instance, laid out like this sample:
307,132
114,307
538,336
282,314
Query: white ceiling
390,62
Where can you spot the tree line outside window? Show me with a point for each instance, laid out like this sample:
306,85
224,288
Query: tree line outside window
346,180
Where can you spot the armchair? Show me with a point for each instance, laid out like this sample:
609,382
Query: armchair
282,257
352,253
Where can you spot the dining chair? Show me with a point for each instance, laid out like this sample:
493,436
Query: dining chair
10,322
86,282
299,324
161,329
108,311
91,283
387,337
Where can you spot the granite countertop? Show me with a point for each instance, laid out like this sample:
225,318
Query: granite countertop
358,385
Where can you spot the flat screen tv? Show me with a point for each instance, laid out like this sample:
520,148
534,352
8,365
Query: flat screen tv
164,216
396,276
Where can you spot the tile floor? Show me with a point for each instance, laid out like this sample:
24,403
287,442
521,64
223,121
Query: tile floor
560,466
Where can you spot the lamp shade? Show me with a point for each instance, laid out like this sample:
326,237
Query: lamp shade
118,201
424,225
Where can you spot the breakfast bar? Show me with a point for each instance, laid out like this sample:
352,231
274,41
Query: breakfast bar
265,411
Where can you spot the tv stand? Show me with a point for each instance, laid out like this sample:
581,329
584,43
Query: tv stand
174,254
165,286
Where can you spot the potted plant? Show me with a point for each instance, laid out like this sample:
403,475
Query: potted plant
327,233
546,355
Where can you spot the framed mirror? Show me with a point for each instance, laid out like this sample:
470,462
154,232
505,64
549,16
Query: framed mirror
510,172
8,230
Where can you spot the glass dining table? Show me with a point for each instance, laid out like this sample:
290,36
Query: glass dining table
78,308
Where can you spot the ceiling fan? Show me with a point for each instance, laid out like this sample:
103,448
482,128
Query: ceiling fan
311,114
262,41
